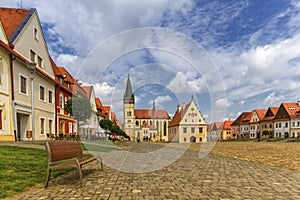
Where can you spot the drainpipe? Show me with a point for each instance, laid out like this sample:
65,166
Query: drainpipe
14,112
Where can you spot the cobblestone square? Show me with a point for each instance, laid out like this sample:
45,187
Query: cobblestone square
233,170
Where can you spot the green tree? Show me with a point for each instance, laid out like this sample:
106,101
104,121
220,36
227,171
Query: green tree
79,107
105,124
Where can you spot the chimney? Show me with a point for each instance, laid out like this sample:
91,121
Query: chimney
178,108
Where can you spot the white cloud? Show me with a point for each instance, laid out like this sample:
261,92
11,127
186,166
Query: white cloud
104,92
162,99
273,100
220,103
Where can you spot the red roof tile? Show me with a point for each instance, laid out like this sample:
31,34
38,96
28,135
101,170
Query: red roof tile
261,113
11,19
149,114
291,109
244,118
227,124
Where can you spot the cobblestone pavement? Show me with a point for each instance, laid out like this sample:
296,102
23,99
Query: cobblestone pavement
189,177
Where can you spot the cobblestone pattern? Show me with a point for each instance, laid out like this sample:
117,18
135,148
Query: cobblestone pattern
212,177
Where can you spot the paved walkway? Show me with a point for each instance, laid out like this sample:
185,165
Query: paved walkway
189,177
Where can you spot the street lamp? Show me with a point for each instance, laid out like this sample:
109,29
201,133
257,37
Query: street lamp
31,66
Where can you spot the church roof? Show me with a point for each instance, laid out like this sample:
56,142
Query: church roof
150,114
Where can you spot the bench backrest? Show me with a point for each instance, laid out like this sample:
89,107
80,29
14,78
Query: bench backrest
58,151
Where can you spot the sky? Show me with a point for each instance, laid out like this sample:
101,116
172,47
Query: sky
231,56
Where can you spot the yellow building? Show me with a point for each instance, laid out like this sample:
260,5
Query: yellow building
6,119
144,124
266,123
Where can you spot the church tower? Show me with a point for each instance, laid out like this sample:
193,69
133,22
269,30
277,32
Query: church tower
128,104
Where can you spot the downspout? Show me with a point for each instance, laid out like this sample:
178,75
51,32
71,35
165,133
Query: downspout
14,113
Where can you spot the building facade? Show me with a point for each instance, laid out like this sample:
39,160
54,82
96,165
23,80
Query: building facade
257,115
33,100
6,117
140,123
266,123
188,125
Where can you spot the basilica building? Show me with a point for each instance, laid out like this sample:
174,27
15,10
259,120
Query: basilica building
144,124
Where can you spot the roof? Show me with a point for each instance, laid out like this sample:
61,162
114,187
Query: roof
227,124
217,126
149,114
87,90
98,103
128,95
209,127
13,20
58,72
270,114
292,109
179,114
261,113
244,118
274,110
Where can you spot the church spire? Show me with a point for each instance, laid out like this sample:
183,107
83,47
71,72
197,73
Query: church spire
128,96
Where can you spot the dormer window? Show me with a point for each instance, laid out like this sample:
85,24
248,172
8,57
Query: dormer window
61,79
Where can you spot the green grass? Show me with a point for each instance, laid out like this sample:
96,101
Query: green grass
22,168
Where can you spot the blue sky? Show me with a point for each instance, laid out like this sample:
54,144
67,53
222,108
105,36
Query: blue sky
231,55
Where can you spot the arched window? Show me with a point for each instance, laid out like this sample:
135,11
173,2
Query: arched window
137,123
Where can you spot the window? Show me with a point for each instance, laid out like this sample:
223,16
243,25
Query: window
298,123
42,126
70,128
40,62
192,130
184,130
129,113
32,55
184,139
293,124
61,101
276,125
286,124
270,126
200,130
42,93
50,94
35,33
128,120
1,119
279,124
23,85
136,123
50,126
200,139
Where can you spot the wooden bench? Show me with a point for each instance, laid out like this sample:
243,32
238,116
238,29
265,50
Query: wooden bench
65,155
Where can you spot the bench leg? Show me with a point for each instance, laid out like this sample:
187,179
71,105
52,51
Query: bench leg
47,177
80,171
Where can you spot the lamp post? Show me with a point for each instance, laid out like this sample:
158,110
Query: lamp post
31,71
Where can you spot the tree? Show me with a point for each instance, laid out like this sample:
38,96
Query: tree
79,107
105,124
